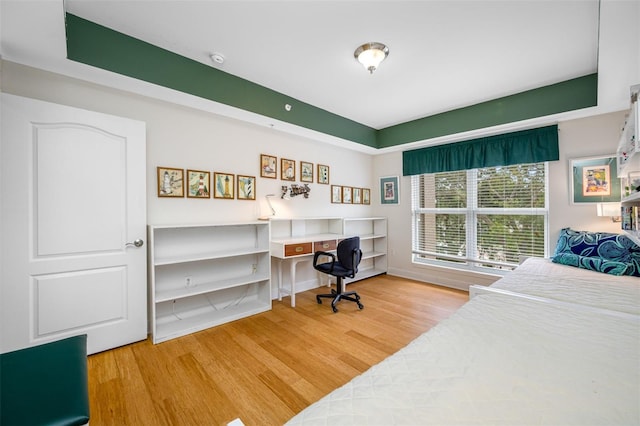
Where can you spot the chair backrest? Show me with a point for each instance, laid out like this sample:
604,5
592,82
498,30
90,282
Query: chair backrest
349,254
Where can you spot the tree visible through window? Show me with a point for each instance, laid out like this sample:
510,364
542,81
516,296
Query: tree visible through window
481,218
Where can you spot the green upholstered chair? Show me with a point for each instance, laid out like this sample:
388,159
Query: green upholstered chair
45,384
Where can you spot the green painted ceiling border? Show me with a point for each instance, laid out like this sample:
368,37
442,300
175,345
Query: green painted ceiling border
578,93
102,47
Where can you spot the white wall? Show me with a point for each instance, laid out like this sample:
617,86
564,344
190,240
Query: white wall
586,137
182,137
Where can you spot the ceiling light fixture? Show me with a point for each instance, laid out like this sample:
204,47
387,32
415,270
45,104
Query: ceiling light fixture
371,54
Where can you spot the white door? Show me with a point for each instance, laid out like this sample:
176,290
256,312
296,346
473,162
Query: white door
73,204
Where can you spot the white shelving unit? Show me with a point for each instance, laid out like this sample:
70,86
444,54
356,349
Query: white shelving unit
205,275
373,243
628,155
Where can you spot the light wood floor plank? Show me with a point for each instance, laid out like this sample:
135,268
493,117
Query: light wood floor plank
266,368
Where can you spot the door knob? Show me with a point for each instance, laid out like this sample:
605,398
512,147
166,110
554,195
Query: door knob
137,243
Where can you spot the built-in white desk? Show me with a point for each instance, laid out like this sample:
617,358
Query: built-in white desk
299,249
295,240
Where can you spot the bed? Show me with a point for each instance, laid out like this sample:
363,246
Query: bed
515,354
543,278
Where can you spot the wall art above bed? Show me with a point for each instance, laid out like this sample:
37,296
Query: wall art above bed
594,180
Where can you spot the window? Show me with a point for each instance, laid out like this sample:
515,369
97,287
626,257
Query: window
481,219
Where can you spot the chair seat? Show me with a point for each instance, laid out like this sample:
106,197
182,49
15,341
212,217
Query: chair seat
338,269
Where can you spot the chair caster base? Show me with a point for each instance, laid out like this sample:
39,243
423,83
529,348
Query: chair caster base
337,297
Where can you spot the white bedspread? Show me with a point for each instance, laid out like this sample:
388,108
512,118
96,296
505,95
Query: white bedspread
500,360
541,277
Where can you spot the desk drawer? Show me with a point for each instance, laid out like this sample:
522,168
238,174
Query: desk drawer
326,245
297,249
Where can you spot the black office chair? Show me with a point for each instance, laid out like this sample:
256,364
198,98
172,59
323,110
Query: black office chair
346,265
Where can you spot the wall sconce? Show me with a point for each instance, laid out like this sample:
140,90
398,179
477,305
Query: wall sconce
295,190
609,209
273,212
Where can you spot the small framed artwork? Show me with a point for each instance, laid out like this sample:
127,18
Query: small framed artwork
287,169
198,184
323,174
170,182
268,166
389,190
366,196
624,186
336,194
633,182
347,193
594,180
306,172
357,195
246,187
223,185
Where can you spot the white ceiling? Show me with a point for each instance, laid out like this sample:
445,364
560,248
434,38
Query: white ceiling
444,54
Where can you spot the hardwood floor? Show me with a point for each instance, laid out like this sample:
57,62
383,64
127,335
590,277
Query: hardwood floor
266,368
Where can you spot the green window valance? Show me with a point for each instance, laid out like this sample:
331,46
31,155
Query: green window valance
526,146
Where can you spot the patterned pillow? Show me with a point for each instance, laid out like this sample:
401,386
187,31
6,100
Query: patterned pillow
604,245
592,263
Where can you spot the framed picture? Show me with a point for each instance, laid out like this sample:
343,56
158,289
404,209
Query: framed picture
170,182
287,169
594,180
323,174
336,194
347,195
223,185
366,196
198,184
624,186
357,195
268,166
246,187
306,172
389,190
633,182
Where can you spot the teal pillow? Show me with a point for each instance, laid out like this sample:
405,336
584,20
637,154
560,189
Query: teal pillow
592,263
605,246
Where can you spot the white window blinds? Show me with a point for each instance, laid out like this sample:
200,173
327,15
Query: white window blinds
480,218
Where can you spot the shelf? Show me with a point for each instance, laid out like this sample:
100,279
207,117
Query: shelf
180,293
372,254
363,219
628,152
632,198
371,236
207,256
229,266
171,326
372,232
366,273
